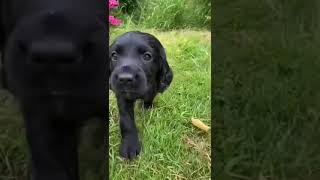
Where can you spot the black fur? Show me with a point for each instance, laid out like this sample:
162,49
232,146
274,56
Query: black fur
139,70
55,62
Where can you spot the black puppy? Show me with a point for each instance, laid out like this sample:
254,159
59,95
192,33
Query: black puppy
139,70
55,63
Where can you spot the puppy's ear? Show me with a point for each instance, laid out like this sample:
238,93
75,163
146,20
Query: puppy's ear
165,74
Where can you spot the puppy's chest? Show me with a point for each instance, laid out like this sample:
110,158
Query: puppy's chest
59,106
74,108
64,107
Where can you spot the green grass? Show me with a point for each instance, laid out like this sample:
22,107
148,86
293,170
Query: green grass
13,147
266,95
172,148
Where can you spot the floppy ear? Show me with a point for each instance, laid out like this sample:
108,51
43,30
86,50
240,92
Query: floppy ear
165,74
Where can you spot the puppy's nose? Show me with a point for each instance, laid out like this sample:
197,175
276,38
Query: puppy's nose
47,52
126,78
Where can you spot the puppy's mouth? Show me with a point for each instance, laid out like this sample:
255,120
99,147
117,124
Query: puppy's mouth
131,91
128,91
140,90
130,94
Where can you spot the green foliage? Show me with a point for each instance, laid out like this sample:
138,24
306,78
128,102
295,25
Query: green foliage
169,14
128,6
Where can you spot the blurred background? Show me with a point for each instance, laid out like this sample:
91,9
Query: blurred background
266,89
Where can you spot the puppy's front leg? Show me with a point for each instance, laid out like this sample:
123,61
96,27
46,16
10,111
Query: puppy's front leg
130,146
53,149
148,100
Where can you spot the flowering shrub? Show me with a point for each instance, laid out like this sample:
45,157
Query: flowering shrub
112,20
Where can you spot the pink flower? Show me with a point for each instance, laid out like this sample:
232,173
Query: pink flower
114,21
113,4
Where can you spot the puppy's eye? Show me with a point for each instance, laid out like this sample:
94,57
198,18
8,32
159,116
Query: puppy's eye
114,56
147,56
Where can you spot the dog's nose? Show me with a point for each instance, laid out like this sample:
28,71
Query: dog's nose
60,53
126,78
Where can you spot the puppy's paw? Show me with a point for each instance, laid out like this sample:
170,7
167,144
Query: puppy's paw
130,148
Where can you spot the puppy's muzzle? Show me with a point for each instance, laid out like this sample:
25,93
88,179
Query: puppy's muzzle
128,78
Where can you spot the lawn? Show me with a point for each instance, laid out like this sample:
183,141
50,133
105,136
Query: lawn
13,146
266,95
172,148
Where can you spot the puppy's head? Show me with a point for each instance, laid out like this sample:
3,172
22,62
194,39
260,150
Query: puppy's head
57,53
138,64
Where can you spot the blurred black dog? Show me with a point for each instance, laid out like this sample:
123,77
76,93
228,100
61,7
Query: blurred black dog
139,70
54,56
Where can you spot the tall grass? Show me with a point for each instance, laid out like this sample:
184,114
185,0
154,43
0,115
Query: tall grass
169,14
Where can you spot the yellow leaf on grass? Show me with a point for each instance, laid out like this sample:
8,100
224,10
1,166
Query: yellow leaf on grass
198,123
